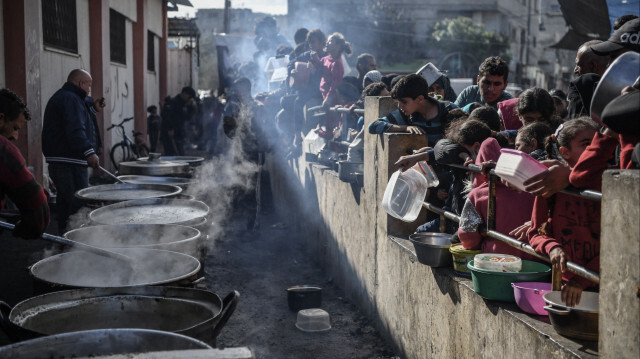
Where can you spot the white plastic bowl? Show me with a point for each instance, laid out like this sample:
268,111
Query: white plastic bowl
516,167
313,320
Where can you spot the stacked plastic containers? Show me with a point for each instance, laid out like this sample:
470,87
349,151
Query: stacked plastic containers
516,167
406,191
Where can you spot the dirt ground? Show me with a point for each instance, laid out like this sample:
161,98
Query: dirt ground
260,266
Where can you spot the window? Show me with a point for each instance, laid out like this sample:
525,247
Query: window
117,38
59,25
151,58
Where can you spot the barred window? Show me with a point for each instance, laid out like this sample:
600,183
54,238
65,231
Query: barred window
151,51
59,24
117,37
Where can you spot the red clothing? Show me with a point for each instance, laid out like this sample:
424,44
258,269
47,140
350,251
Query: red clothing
509,114
587,173
512,210
21,187
574,224
332,73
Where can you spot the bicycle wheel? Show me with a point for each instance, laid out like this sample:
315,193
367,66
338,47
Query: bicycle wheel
143,151
119,153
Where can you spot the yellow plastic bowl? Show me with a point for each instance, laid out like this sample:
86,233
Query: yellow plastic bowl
461,257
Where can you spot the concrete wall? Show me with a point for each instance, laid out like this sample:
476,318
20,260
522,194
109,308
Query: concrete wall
424,312
619,269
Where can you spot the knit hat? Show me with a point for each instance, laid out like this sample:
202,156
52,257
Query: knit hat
627,36
430,73
371,77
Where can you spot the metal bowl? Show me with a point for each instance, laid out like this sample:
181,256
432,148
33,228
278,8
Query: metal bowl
620,74
580,322
304,297
432,249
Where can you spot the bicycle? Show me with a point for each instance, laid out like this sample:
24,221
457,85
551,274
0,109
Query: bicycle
127,150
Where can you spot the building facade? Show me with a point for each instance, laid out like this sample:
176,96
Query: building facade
123,44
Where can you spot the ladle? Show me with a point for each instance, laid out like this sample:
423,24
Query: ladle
89,248
111,174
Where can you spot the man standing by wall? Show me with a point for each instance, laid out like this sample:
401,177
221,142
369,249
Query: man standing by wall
174,114
69,143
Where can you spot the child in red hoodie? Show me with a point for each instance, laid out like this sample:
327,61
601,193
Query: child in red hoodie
566,227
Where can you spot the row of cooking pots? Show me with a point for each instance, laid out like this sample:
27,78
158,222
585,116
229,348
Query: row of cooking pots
107,293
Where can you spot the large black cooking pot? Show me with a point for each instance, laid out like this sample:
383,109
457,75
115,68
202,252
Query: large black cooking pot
79,269
171,237
118,192
155,166
98,343
197,313
152,211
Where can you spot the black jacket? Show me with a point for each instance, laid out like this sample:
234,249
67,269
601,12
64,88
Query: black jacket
68,131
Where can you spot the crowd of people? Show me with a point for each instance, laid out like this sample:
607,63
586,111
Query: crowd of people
471,127
553,127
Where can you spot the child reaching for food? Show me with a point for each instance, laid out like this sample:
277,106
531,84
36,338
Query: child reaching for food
566,227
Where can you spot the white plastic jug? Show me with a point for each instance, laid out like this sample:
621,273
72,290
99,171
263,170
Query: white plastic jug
406,190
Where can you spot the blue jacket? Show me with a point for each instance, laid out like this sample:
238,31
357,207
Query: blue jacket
68,129
434,127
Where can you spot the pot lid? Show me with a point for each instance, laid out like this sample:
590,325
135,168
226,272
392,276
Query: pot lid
139,179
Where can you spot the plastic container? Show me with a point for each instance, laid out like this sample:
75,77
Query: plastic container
495,285
529,296
406,191
461,257
313,320
313,143
516,167
498,262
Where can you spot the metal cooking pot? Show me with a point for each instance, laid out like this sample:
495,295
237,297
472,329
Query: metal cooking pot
193,161
197,313
79,269
432,249
171,237
620,74
304,297
152,211
118,192
154,166
181,182
580,322
98,343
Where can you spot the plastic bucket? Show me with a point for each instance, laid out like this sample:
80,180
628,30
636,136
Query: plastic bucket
495,285
461,257
529,298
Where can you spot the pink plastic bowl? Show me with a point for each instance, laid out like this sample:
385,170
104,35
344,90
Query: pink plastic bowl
529,296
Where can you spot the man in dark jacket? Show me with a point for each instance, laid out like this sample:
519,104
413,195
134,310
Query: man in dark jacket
69,143
174,114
